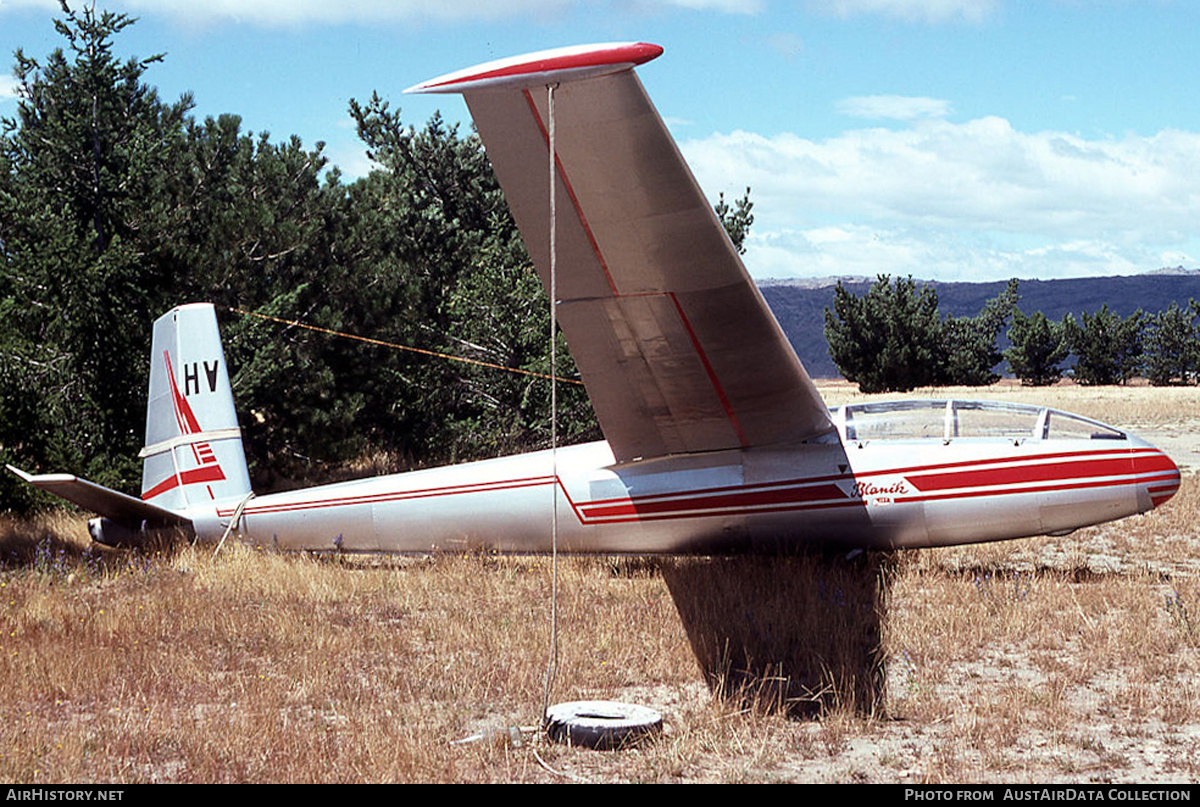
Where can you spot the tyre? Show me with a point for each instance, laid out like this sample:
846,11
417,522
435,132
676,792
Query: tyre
603,725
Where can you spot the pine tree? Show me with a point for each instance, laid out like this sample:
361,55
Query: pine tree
469,289
736,220
1172,353
115,206
889,339
970,342
1107,347
80,166
1038,349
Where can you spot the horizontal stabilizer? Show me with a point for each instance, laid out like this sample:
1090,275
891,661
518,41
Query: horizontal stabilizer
103,501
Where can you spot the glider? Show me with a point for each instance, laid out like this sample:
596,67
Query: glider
717,441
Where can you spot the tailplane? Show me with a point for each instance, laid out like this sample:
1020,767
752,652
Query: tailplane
193,452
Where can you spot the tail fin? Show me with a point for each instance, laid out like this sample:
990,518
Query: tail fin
193,451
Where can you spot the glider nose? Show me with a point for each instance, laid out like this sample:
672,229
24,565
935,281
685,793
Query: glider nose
1158,476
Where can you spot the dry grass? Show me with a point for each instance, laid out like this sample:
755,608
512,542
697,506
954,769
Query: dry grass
1052,660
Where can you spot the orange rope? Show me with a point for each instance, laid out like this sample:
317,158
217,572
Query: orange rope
394,346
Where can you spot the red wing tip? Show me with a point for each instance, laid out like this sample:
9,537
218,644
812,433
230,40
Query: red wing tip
561,64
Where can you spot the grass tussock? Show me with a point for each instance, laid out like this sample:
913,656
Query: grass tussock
1067,659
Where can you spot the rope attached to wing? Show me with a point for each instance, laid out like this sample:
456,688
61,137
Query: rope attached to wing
394,346
552,662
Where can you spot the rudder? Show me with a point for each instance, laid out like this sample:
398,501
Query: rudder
193,452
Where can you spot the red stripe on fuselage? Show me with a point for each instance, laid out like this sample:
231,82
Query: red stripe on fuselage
793,495
1136,453
1022,474
394,496
813,493
1147,463
901,471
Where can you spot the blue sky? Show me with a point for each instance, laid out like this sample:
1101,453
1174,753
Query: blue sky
947,139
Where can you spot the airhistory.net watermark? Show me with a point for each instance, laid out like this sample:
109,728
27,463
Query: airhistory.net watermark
61,794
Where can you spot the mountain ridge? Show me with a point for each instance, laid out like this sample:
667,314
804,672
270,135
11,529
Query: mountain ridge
799,304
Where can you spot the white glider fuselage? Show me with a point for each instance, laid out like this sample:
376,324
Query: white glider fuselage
882,492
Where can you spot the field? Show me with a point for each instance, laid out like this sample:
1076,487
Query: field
1072,659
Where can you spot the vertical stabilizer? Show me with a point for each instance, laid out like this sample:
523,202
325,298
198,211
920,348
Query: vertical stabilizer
193,452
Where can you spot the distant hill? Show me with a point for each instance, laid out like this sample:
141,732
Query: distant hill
800,305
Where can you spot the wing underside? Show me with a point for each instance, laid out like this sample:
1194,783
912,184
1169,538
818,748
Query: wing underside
677,349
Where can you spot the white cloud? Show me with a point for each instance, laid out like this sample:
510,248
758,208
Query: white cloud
303,12
933,11
49,5
349,155
787,45
865,251
728,6
8,88
893,107
942,199
300,12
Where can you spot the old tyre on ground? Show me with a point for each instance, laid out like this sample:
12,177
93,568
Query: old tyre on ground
603,725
